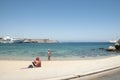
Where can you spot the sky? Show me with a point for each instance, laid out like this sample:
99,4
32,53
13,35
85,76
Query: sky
62,20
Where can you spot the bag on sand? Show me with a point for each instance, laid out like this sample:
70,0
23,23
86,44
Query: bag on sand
30,66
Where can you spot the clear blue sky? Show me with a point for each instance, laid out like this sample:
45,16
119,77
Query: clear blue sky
63,20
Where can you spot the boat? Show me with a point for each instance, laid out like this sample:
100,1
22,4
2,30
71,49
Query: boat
8,39
112,41
18,40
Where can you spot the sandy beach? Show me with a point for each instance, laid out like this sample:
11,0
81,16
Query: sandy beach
55,70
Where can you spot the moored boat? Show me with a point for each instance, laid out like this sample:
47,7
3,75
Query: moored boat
8,39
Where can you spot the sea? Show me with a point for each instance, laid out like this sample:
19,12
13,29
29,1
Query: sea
60,51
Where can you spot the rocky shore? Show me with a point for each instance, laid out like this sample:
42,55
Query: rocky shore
116,47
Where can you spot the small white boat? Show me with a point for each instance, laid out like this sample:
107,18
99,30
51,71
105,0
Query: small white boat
112,41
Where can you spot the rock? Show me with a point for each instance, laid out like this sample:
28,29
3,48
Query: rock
111,48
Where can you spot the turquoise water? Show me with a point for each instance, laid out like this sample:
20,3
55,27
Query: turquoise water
62,51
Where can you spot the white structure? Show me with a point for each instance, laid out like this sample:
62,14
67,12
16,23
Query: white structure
113,41
8,39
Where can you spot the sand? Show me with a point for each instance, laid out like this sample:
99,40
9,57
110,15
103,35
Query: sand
55,70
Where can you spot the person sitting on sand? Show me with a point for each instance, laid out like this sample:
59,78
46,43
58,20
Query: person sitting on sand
37,62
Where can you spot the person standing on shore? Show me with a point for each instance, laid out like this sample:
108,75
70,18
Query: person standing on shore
49,54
